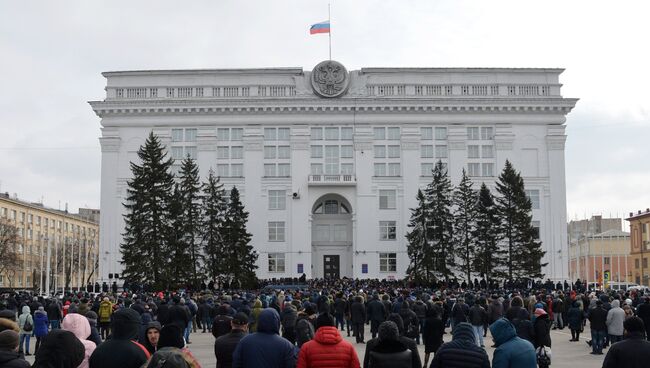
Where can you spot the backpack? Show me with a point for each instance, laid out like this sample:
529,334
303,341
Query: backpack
304,331
27,326
543,354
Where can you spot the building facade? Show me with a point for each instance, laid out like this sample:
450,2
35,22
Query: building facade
640,245
595,225
329,161
592,255
55,248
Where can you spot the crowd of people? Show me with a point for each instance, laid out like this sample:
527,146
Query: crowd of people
305,324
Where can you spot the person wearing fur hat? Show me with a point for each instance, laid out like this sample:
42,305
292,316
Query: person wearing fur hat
9,356
122,350
80,327
60,349
327,348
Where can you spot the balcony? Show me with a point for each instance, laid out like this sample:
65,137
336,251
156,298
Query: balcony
332,180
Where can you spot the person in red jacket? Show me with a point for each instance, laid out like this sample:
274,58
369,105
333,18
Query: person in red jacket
328,348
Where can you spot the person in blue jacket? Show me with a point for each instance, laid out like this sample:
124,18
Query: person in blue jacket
511,350
265,348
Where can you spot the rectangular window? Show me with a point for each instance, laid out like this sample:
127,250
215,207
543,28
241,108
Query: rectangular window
277,199
487,133
322,233
269,170
223,152
38,220
472,133
30,218
426,169
269,152
380,151
441,134
331,133
177,135
236,134
222,170
533,195
426,151
191,152
387,262
380,169
387,199
276,262
177,153
237,152
487,151
394,169
393,134
347,169
473,169
237,170
190,135
331,160
636,263
276,231
270,134
316,134
393,151
284,152
316,151
426,133
284,170
316,169
346,152
379,133
346,134
488,169
473,152
339,233
606,260
387,230
284,134
536,226
441,151
223,134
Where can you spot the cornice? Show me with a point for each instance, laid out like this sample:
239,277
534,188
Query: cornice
342,105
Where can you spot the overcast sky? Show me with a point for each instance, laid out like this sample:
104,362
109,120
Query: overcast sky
52,54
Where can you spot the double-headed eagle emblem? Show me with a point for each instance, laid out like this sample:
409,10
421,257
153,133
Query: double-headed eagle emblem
329,79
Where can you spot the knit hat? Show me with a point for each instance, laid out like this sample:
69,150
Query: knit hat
388,331
171,336
125,324
8,314
539,312
634,325
62,348
8,340
324,319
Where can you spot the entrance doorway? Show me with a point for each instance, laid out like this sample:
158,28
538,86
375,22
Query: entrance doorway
332,266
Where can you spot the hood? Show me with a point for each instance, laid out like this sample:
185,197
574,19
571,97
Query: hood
328,335
7,324
125,324
153,324
62,347
258,304
77,324
26,310
269,321
502,330
616,304
464,331
603,298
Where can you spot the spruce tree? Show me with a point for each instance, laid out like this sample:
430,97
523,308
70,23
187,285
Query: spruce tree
465,201
439,255
144,245
488,258
524,252
417,240
191,214
239,254
214,208
179,260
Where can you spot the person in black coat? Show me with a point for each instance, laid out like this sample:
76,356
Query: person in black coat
60,349
432,332
359,318
574,320
633,351
376,314
388,352
221,324
409,343
524,326
9,355
225,345
542,328
462,351
121,350
597,323
643,312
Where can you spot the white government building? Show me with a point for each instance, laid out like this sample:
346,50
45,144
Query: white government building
329,161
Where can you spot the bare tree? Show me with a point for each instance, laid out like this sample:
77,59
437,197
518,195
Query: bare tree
9,241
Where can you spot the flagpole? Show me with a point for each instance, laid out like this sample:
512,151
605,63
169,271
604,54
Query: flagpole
330,32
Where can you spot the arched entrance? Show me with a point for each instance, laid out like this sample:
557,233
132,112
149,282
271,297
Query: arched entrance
331,237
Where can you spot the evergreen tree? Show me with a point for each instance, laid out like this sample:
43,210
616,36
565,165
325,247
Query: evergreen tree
147,215
239,256
524,252
191,214
439,255
179,260
488,255
214,208
417,240
465,201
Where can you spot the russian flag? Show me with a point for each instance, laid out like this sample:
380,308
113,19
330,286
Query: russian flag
322,27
